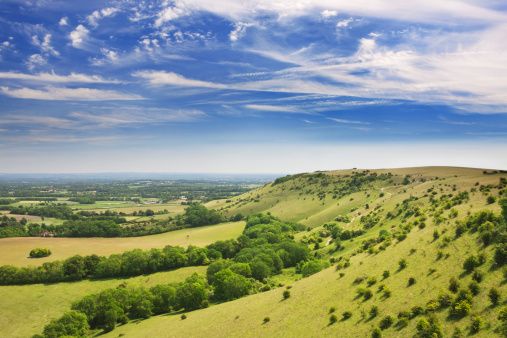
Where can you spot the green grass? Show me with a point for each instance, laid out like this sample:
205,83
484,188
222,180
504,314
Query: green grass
14,251
26,309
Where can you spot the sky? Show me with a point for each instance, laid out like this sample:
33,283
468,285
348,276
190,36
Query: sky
227,86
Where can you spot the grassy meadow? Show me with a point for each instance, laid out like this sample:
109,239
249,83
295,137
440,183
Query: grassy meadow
27,308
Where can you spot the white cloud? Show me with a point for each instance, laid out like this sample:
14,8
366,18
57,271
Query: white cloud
238,31
271,108
328,14
344,23
96,16
170,13
64,21
78,36
45,44
52,77
158,78
346,121
35,60
67,94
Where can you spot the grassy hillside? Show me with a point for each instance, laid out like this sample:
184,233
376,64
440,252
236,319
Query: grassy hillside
26,309
409,214
14,251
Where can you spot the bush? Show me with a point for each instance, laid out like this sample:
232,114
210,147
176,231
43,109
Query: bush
474,288
428,328
266,320
72,323
332,319
476,324
312,267
402,264
376,333
411,281
286,294
386,322
346,315
490,199
386,274
40,252
494,296
453,285
373,311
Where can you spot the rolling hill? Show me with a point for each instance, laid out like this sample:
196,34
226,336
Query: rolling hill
414,253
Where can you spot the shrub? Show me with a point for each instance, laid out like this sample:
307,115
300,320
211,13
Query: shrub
183,317
428,328
444,300
386,322
490,199
411,281
332,319
402,322
332,309
72,323
402,264
474,288
386,274
477,276
373,311
346,315
494,296
416,311
313,266
476,324
471,263
286,294
453,285
266,320
376,333
40,252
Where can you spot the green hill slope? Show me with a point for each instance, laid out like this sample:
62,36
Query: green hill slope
413,214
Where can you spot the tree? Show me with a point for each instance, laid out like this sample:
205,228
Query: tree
74,267
192,293
40,252
164,298
494,296
503,205
72,323
229,285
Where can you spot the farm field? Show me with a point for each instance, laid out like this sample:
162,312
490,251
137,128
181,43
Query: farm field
14,251
27,308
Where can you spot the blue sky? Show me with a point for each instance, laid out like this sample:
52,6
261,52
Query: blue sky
251,86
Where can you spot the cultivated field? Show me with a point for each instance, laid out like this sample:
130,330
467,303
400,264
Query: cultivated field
14,251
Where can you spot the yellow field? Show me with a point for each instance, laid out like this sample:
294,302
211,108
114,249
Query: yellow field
14,251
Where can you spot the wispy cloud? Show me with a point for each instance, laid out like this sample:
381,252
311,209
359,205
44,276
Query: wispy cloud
272,108
344,121
68,94
53,77
158,78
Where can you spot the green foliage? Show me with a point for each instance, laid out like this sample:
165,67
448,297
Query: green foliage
286,294
197,215
313,266
229,285
376,333
402,264
386,322
346,315
428,327
72,323
476,324
332,319
39,252
494,296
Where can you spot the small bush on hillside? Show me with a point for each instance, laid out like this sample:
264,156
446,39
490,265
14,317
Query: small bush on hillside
376,333
332,309
402,323
494,296
402,264
477,276
373,311
453,285
332,319
474,288
444,300
428,327
371,280
411,281
476,324
386,274
462,304
286,294
416,311
40,252
183,317
346,315
266,320
386,322
490,199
